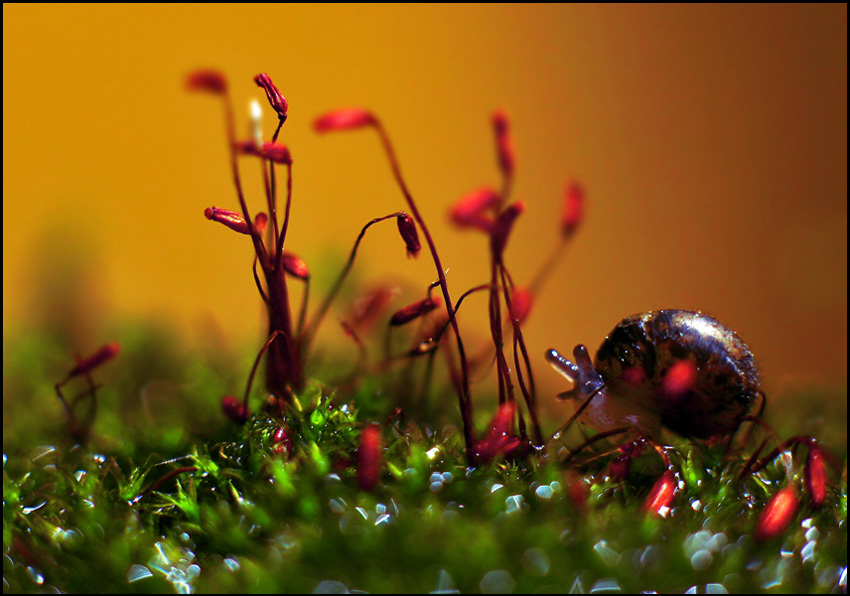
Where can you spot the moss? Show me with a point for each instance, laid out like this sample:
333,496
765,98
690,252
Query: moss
176,498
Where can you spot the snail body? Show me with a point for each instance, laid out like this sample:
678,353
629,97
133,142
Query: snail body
675,369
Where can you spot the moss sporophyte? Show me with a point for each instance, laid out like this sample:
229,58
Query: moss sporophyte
674,369
343,485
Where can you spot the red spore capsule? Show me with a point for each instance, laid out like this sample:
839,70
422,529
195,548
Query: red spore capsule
276,98
104,354
521,302
679,380
260,221
369,457
210,81
229,218
282,441
573,212
499,439
295,266
778,514
815,475
473,210
277,152
234,409
504,143
504,225
414,311
407,229
344,119
661,496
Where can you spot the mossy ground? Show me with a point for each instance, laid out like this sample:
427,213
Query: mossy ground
242,518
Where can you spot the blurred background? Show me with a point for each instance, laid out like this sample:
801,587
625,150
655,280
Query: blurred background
711,142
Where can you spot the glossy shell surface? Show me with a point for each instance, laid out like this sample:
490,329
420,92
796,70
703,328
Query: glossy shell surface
647,345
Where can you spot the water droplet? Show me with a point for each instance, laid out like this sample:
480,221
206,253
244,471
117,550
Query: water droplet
383,519
535,561
336,506
497,581
544,492
608,555
701,560
231,564
812,533
514,503
496,487
35,576
138,572
606,586
808,551
28,510
41,451
331,587
445,584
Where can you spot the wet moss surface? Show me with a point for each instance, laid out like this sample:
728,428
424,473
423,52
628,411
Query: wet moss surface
170,496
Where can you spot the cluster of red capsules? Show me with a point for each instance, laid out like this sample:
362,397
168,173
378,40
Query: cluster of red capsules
289,343
488,211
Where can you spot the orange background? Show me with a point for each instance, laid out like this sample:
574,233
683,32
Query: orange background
711,140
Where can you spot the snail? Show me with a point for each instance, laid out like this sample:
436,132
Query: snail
675,369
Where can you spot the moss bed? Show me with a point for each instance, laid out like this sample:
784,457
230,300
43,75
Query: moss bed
170,496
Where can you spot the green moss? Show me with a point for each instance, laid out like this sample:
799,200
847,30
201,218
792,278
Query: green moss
233,515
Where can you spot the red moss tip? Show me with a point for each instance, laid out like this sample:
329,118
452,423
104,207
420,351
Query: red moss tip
277,152
211,81
235,409
499,439
276,98
521,302
369,457
344,119
503,227
475,209
407,229
295,266
104,354
504,143
229,218
573,212
778,515
414,311
814,475
661,496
